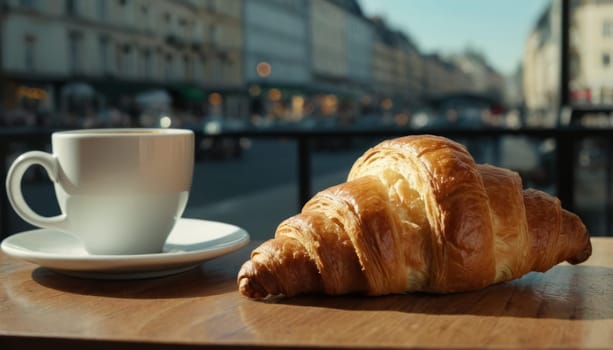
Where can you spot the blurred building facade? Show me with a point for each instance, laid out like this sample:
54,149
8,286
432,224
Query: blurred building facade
398,70
221,45
359,36
276,42
328,42
591,52
590,59
482,78
98,52
541,68
407,73
277,57
434,78
382,69
83,59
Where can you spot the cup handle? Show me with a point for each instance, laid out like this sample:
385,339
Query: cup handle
15,196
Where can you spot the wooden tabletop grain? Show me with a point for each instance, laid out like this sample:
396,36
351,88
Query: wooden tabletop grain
566,307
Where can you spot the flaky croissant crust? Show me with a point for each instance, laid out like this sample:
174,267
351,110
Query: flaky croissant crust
416,214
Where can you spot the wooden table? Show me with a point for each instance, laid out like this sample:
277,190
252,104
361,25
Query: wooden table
567,307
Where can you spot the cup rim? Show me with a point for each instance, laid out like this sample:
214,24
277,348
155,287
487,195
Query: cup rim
123,132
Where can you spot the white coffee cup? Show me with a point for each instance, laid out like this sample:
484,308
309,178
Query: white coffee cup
120,191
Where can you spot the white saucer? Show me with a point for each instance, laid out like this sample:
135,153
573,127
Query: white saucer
191,242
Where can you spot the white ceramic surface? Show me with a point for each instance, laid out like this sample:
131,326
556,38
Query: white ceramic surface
119,190
191,242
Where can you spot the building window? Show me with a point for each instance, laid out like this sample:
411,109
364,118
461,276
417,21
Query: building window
167,26
189,30
104,55
606,59
29,53
198,70
158,63
215,35
147,64
119,61
74,52
145,14
217,67
182,31
72,7
101,9
607,27
210,5
187,66
168,67
127,59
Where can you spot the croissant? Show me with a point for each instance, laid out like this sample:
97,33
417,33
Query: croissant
416,214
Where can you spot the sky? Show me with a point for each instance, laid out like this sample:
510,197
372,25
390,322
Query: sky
497,28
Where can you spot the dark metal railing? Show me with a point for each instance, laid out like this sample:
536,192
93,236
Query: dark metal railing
567,141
